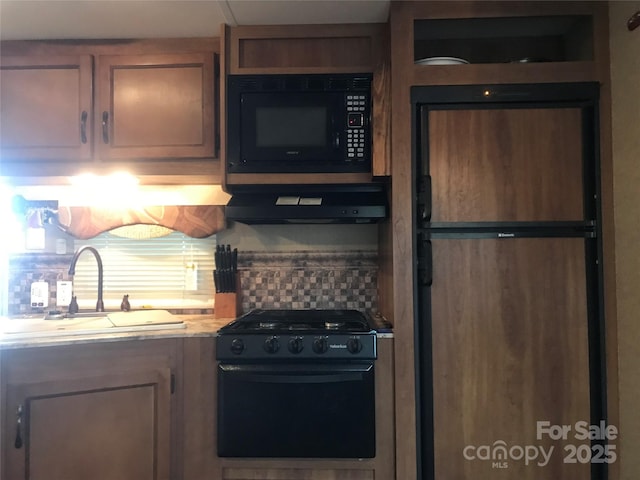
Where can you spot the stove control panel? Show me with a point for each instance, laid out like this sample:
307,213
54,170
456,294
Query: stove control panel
306,346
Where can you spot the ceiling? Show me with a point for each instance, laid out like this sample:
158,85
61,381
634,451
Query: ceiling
64,19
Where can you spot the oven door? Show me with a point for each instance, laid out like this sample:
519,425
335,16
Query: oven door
301,410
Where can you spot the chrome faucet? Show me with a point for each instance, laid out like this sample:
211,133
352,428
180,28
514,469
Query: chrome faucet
72,271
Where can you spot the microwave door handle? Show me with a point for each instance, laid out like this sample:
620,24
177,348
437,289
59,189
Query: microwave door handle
336,140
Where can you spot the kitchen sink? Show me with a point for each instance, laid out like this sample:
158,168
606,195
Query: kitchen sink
50,325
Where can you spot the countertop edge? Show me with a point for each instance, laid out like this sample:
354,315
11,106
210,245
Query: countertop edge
196,326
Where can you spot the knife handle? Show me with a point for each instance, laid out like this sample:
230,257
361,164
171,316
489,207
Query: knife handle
216,280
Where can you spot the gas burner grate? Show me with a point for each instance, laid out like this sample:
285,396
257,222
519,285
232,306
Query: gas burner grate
335,321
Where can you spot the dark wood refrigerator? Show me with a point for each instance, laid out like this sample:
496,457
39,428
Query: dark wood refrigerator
508,281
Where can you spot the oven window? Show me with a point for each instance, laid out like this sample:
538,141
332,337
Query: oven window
291,126
325,411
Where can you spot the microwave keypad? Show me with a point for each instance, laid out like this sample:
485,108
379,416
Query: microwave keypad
355,122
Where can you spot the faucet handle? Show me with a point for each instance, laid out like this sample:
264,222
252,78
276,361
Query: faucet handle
125,306
73,306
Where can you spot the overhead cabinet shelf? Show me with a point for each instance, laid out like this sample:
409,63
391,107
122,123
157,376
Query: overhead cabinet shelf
557,38
503,42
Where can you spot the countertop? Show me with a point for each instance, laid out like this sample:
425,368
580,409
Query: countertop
195,326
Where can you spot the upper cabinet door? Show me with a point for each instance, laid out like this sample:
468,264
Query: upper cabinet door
155,106
46,107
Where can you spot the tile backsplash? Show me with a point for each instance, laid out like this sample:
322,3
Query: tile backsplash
302,280
297,280
24,269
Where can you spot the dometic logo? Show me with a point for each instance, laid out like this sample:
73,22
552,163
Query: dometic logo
337,345
499,453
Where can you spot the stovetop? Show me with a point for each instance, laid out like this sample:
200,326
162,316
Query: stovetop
272,321
309,335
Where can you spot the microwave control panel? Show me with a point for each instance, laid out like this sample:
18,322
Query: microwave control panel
356,135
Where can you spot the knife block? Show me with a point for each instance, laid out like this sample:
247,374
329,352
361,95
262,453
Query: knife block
228,304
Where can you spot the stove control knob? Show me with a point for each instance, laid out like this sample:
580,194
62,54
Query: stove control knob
271,345
354,345
237,346
296,344
320,345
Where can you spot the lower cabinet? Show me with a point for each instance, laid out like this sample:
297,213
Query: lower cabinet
98,411
146,410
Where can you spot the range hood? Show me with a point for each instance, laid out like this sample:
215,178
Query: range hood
308,204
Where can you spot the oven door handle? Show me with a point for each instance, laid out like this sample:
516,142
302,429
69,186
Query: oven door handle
352,374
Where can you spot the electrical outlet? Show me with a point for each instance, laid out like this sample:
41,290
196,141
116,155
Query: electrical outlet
64,292
34,239
191,276
39,295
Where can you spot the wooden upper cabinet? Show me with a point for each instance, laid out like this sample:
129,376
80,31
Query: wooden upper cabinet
46,108
303,48
503,42
148,106
155,106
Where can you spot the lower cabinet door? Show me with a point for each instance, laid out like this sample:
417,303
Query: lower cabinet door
114,427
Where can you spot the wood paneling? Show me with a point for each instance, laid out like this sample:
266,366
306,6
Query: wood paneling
303,48
199,420
381,113
401,18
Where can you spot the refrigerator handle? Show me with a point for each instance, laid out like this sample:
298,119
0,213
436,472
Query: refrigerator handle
424,199
425,262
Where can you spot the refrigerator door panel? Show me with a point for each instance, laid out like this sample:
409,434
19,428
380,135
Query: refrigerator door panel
506,164
506,344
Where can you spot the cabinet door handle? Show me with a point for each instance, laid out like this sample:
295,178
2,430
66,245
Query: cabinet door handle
19,414
83,126
105,127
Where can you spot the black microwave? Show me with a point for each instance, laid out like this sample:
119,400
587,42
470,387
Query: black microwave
316,123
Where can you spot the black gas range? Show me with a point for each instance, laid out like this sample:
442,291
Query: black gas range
298,334
297,383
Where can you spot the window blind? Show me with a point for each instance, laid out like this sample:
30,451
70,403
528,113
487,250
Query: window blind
170,271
